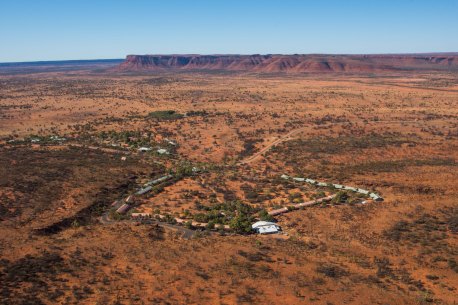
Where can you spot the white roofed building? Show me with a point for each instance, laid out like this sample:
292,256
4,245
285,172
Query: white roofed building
265,227
162,151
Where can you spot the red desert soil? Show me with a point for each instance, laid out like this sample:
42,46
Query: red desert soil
69,148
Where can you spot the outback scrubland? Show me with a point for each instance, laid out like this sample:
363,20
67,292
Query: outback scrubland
70,147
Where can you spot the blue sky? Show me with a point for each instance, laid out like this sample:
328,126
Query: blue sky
82,29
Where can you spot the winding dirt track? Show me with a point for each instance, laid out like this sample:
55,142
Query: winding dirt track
294,132
282,139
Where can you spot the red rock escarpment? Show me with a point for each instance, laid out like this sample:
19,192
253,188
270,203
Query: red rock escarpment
291,63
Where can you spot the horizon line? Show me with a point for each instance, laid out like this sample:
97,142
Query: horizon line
229,54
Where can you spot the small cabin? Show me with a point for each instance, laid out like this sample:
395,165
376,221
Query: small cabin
361,191
123,209
350,188
144,190
130,199
375,197
162,151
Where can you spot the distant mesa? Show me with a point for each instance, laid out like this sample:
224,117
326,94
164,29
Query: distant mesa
292,63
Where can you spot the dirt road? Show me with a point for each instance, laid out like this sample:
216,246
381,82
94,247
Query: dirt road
184,232
265,149
294,132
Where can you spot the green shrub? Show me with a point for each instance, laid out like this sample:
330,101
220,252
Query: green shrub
264,215
165,115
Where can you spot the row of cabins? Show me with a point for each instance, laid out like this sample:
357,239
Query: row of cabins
374,196
144,190
161,151
158,180
301,205
178,220
125,206
52,138
260,227
147,187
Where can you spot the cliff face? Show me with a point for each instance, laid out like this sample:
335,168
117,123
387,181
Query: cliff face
291,63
